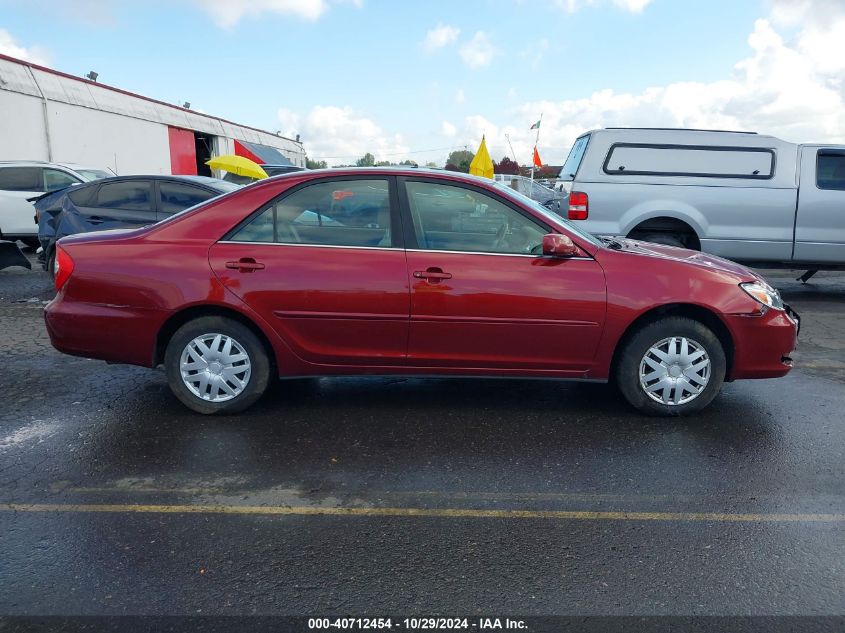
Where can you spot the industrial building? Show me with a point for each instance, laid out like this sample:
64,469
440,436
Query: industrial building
52,116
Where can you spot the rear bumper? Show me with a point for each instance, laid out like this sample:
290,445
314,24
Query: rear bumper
119,334
763,344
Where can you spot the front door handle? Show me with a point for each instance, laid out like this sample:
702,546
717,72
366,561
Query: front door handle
433,275
245,265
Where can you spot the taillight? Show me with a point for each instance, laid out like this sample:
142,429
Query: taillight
63,267
579,205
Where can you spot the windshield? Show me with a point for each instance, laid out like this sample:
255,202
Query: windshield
93,174
553,217
573,161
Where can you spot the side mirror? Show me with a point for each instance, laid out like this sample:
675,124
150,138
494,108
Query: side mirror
557,245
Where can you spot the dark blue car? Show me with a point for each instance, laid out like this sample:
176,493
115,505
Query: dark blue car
118,203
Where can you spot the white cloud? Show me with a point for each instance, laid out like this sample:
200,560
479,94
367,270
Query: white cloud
227,13
34,54
479,51
460,97
339,135
792,88
440,36
447,129
632,6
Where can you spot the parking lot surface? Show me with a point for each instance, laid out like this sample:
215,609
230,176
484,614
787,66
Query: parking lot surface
418,496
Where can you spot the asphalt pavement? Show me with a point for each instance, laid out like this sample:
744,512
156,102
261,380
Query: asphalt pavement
374,496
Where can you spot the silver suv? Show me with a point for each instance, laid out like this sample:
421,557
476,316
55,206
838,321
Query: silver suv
741,195
21,180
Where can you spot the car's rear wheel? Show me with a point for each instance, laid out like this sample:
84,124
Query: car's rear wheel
216,365
674,366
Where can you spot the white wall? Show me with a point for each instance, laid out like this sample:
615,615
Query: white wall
102,139
21,127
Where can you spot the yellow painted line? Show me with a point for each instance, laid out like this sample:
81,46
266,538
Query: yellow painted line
578,515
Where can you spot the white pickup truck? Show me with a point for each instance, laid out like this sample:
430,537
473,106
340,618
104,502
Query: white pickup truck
741,195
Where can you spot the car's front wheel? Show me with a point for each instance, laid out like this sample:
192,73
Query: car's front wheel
674,366
216,365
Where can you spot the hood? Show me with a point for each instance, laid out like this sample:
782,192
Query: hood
686,256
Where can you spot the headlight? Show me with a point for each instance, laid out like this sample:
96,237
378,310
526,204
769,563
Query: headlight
763,293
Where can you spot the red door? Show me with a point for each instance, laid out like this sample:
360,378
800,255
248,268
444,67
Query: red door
320,266
481,299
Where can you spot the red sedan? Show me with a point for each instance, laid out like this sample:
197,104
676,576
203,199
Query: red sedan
387,271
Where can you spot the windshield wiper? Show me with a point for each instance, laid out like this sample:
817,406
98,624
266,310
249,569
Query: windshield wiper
612,242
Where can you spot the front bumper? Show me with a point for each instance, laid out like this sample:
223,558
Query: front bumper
763,344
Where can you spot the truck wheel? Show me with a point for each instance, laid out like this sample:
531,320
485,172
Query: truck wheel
216,365
672,367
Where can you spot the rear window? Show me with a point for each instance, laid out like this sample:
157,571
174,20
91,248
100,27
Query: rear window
21,179
689,160
830,170
573,161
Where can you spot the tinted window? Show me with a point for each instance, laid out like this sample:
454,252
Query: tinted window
55,179
451,218
131,194
176,196
830,170
338,213
573,161
81,196
689,160
21,179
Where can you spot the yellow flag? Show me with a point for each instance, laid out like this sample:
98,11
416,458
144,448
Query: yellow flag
482,165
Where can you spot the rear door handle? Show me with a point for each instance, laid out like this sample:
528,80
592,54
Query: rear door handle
245,265
432,274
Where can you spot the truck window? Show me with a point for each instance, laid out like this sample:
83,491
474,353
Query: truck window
573,161
689,160
830,169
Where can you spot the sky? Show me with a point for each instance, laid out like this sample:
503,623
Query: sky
413,79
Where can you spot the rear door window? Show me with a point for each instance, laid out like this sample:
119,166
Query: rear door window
830,169
176,196
55,179
335,213
21,179
131,194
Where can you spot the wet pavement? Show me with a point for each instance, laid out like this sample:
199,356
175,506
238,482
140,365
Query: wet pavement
385,496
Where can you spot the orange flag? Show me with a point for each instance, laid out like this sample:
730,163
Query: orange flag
537,161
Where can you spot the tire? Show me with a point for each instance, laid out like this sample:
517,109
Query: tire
207,360
50,263
667,239
640,367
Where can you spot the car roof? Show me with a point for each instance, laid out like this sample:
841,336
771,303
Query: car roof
44,163
205,181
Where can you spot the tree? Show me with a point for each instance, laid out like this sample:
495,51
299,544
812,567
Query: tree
506,166
382,163
408,161
315,164
461,159
451,167
367,160
431,163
